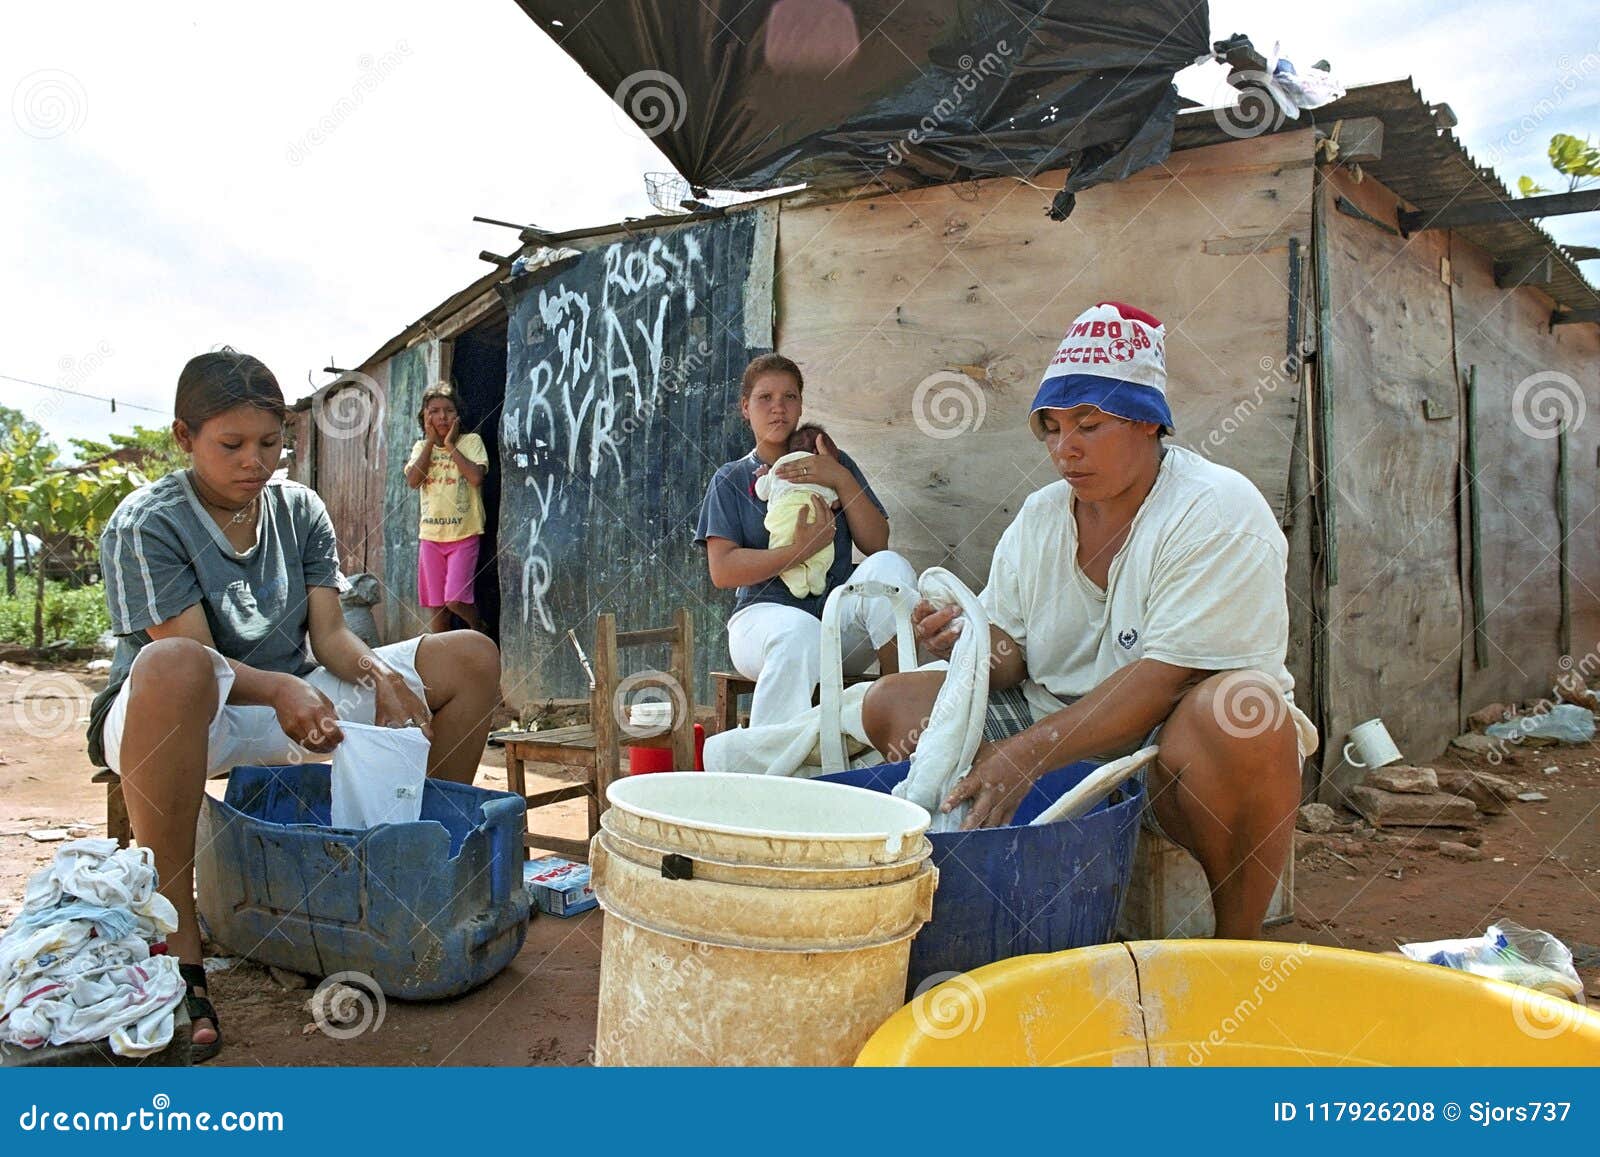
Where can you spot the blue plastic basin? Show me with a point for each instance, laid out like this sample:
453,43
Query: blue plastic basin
427,910
1008,891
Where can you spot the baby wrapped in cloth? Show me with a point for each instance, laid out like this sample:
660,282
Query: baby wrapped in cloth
785,500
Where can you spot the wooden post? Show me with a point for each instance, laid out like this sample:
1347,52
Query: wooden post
1327,488
517,784
1561,528
1480,639
118,826
683,672
603,716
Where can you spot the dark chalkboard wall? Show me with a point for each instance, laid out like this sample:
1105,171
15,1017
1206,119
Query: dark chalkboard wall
621,401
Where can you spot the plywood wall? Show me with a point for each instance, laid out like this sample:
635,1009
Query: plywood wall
1395,625
923,321
352,459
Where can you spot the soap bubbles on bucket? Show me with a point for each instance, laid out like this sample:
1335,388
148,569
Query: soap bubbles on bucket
948,1004
648,703
348,1004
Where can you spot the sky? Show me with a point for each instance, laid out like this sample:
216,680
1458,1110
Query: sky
298,180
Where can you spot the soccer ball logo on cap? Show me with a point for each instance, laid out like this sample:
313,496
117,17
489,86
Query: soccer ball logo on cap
1113,357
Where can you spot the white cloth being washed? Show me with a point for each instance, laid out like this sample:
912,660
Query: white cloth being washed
950,739
947,746
76,964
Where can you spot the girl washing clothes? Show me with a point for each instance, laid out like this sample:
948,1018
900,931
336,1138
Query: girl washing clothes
223,586
447,467
775,634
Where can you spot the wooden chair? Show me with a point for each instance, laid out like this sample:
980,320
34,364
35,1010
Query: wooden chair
728,686
596,747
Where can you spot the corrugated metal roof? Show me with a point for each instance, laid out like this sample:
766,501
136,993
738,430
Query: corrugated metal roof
1425,165
1428,167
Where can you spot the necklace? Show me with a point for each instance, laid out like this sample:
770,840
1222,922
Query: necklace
235,517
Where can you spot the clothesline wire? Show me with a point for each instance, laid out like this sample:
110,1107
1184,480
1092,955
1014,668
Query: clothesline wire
80,394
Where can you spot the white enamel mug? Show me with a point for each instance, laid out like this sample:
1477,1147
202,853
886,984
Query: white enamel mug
1371,741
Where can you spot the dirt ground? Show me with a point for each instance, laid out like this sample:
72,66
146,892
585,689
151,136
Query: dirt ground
1541,867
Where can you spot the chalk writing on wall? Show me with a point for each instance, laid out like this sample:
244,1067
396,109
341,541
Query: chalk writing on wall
621,399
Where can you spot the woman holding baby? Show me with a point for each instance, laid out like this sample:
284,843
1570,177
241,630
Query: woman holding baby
767,527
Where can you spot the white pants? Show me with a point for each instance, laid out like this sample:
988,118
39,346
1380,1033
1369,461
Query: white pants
249,736
781,647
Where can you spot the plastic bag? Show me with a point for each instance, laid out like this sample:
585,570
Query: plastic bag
1565,723
1509,952
378,775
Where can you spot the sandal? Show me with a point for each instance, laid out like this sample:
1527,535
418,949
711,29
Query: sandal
199,1008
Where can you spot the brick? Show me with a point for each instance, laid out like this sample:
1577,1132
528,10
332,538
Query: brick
1405,778
1410,809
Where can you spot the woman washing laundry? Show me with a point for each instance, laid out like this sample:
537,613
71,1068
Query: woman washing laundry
775,634
1143,593
223,586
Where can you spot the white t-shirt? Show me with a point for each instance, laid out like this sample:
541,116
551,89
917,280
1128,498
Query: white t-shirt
1199,583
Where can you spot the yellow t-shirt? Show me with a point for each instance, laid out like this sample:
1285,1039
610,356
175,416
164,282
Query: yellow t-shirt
452,507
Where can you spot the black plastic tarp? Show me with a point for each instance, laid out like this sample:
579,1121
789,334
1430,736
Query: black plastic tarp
754,94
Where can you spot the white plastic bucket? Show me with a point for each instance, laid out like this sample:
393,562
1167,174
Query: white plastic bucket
753,920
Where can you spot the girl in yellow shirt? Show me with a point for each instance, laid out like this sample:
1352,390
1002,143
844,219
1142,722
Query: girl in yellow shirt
447,467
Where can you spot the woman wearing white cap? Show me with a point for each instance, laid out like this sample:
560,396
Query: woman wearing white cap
1142,593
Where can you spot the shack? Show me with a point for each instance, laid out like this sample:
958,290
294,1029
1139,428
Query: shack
1361,319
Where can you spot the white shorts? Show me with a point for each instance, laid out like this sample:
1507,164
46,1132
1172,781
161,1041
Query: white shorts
251,735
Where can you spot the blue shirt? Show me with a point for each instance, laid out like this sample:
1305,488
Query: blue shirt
732,511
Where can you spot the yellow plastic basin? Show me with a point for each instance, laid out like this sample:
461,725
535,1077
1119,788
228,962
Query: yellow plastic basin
1230,1002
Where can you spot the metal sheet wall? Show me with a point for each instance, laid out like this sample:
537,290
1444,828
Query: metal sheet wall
621,401
394,517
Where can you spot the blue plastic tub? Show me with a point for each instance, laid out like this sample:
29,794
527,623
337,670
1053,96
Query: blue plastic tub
428,910
1014,890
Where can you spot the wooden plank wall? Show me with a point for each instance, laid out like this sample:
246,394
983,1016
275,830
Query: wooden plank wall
352,459
923,320
1506,335
1395,622
621,402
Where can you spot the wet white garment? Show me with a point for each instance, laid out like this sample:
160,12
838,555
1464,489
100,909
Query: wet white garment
793,746
378,776
944,752
950,739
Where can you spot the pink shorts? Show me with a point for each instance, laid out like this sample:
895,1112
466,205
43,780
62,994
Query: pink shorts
445,571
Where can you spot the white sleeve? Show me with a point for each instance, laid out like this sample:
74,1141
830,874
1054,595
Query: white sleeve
1219,604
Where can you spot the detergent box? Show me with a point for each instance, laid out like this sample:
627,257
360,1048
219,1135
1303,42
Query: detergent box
558,886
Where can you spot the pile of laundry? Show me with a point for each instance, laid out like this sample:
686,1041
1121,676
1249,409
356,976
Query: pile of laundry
77,964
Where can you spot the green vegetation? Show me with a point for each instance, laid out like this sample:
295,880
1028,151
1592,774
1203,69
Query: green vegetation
64,509
158,451
76,613
1577,161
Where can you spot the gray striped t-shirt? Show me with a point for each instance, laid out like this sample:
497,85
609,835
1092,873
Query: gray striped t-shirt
161,553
